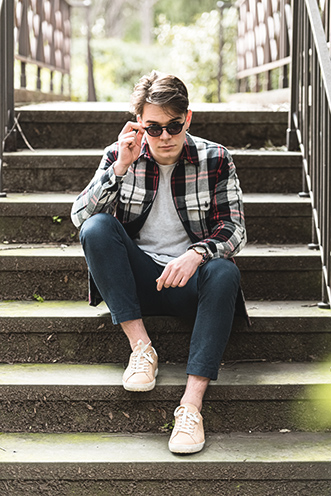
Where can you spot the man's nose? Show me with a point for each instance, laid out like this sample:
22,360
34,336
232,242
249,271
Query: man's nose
165,134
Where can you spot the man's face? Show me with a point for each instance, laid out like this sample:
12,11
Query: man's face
166,149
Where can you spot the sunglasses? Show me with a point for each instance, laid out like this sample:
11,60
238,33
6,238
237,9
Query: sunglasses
173,128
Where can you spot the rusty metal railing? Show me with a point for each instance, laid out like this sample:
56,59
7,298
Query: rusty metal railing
310,120
263,43
42,37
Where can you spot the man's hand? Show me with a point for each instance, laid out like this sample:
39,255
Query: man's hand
179,271
129,141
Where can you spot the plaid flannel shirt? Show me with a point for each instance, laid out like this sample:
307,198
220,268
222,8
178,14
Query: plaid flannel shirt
205,190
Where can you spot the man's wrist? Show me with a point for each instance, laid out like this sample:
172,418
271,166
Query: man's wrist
120,170
202,251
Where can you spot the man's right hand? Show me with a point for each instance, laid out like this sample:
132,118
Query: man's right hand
129,141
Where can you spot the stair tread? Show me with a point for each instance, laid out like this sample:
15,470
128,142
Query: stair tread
55,197
81,309
75,250
99,151
67,109
125,449
51,152
235,374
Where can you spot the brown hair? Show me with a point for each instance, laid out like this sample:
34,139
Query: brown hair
160,89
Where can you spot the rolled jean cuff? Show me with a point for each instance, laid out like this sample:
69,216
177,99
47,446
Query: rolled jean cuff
126,315
202,370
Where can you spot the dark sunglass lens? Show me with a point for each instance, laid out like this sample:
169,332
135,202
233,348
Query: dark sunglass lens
174,128
154,131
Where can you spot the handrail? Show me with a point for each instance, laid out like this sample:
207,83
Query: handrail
6,78
310,121
263,42
43,35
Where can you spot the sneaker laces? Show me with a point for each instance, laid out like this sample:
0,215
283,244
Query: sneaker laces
141,359
186,420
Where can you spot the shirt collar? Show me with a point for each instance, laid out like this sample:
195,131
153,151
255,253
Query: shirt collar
189,153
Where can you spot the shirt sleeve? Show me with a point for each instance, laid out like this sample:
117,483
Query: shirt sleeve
101,194
227,222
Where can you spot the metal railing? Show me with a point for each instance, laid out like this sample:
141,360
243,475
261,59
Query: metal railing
42,37
36,32
310,120
263,43
6,77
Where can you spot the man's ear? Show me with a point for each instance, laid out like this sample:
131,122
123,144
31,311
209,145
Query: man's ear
139,119
189,118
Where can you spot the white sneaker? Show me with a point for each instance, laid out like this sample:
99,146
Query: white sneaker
188,435
142,370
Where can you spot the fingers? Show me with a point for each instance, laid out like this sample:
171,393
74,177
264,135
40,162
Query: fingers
179,271
132,128
171,278
129,141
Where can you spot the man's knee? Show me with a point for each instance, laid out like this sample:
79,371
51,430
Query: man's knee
96,226
221,273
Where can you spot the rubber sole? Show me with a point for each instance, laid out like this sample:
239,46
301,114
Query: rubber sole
140,388
185,448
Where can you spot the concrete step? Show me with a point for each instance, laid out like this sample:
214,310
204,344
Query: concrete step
263,171
45,217
80,398
72,331
230,464
58,272
78,126
278,218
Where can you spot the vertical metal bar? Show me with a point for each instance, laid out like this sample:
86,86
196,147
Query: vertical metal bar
314,131
3,83
326,299
24,47
38,85
7,78
283,46
291,138
23,75
324,199
301,66
10,144
316,191
328,211
304,124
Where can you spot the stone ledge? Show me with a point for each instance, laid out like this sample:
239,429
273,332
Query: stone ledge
249,381
255,397
239,456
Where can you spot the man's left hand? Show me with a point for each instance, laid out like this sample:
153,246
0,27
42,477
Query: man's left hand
179,271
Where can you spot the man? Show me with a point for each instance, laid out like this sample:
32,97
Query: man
159,222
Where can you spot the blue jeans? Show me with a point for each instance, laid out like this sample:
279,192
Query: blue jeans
126,279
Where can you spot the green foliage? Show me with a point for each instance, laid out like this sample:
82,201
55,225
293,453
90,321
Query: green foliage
38,298
191,52
168,426
117,67
181,11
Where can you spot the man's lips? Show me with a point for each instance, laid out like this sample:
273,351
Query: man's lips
166,147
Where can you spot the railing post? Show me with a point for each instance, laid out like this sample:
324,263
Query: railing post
7,137
3,83
284,46
10,68
291,138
